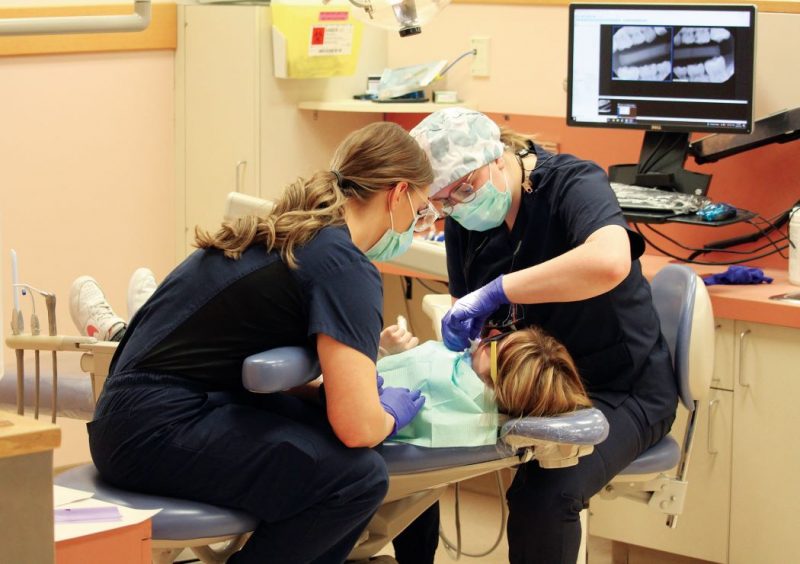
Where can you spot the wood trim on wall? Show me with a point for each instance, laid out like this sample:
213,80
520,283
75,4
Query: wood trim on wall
162,33
783,6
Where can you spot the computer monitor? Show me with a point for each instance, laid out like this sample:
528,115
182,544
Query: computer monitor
670,69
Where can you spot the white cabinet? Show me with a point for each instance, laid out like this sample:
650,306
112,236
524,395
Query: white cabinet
766,457
238,127
702,530
742,501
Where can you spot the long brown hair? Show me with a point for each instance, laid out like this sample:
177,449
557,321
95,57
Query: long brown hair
536,376
369,160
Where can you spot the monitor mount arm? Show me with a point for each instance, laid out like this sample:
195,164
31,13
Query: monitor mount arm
661,165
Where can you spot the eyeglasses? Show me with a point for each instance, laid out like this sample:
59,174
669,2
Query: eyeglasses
464,193
424,220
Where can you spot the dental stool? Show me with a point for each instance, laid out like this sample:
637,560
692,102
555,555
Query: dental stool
189,524
180,523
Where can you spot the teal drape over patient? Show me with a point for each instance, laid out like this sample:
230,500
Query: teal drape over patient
459,409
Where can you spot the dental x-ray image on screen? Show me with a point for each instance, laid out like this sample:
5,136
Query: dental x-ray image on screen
642,53
662,53
703,54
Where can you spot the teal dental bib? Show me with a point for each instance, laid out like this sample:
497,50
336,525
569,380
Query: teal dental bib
459,409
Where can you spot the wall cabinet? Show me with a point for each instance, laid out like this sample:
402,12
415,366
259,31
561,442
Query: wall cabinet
741,503
237,126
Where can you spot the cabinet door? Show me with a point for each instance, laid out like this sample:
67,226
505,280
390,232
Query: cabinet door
766,457
702,529
219,91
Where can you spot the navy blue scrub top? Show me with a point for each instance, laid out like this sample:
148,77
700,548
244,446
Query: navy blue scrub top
212,312
614,338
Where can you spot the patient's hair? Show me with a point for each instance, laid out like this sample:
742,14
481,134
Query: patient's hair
370,160
536,376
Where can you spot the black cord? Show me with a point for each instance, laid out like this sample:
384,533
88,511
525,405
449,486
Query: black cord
765,234
703,263
703,250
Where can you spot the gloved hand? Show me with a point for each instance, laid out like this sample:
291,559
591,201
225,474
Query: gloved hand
467,316
738,275
396,339
402,404
379,381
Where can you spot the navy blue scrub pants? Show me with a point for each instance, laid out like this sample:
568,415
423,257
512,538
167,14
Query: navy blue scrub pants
545,504
273,456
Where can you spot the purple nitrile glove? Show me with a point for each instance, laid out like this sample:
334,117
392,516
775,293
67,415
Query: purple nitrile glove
379,380
467,316
402,404
738,275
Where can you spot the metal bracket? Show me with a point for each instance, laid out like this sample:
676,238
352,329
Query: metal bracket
663,493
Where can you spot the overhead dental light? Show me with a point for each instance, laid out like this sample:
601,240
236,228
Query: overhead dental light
136,21
409,15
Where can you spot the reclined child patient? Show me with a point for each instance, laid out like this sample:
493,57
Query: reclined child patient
529,372
522,373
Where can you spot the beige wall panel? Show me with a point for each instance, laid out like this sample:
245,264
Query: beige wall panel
528,57
86,171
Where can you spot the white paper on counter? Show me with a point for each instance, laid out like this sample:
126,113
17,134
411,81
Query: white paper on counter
62,495
65,531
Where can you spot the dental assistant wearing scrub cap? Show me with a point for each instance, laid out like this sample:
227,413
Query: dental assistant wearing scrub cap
173,418
537,239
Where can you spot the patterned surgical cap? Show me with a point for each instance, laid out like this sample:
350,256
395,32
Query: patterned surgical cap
457,141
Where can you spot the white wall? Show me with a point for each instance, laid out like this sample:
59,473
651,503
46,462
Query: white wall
528,57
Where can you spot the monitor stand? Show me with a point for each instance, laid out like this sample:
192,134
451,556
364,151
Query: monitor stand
661,165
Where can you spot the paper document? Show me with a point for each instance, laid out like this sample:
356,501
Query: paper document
62,495
71,530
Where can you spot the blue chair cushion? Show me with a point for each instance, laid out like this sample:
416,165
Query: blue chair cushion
662,456
179,519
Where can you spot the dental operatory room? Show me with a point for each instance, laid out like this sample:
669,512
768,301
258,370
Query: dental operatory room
399,281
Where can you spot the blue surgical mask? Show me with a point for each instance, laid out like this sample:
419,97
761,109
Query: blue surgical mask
487,210
392,243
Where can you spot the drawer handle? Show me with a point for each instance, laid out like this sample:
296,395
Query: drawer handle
713,405
241,167
742,335
714,378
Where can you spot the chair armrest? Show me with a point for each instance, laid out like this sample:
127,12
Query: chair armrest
279,369
560,440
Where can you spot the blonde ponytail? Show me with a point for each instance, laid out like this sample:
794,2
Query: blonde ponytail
370,160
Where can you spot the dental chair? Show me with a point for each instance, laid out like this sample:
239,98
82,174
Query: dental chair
418,475
687,323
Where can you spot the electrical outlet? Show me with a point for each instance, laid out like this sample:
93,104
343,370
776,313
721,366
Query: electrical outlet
480,60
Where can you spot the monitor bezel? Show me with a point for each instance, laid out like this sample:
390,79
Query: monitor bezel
648,6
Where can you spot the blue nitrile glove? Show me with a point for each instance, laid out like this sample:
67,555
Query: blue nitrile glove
379,380
402,404
738,275
465,319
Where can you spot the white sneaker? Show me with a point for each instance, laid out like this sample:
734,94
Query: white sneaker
91,312
140,287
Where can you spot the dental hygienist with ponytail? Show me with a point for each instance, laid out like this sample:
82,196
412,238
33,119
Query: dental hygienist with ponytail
537,239
174,419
